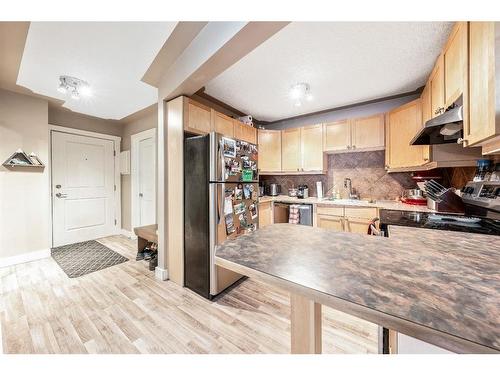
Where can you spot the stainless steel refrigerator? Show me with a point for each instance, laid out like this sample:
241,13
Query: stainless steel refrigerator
220,203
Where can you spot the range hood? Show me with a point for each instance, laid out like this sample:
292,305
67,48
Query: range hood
445,128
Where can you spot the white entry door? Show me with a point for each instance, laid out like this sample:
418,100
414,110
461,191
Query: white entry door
82,187
144,178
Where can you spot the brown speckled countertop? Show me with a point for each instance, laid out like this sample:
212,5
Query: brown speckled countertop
439,280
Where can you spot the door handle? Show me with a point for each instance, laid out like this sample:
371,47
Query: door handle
60,195
141,195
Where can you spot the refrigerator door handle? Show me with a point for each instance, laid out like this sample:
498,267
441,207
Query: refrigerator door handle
221,167
221,204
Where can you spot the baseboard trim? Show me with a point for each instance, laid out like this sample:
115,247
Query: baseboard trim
24,258
161,274
128,234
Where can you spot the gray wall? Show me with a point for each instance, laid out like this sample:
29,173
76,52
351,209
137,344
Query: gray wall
341,114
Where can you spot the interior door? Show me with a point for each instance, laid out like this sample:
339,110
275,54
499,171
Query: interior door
147,157
83,201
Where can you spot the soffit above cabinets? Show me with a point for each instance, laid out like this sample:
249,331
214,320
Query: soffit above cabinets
111,56
343,62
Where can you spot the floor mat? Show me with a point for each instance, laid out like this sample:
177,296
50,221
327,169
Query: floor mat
82,258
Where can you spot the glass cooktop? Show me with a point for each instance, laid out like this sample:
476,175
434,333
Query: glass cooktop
470,224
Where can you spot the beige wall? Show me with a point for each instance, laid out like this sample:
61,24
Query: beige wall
147,120
63,117
24,195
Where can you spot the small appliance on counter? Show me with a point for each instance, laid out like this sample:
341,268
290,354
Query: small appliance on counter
483,170
261,190
303,192
273,190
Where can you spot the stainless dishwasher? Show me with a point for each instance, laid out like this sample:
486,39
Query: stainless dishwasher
282,213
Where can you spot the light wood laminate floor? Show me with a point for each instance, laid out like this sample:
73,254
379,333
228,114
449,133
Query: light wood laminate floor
124,309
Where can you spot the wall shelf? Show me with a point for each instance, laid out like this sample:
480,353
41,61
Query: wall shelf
21,159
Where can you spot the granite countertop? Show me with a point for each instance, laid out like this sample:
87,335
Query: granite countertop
386,204
439,281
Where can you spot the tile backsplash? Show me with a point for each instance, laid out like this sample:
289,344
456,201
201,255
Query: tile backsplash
365,169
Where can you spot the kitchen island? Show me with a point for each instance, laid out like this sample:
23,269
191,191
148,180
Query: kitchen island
439,287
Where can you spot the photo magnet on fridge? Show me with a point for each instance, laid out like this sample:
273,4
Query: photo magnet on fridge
239,208
247,191
253,210
228,147
229,224
238,192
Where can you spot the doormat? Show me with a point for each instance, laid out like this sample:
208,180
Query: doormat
82,258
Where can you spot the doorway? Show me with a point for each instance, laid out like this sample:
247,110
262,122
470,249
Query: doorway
143,189
85,192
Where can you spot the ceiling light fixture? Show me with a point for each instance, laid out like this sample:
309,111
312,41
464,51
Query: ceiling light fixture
300,92
75,86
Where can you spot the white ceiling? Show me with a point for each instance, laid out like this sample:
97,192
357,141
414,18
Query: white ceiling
344,63
111,56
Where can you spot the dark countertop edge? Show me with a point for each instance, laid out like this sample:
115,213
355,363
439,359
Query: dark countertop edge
432,336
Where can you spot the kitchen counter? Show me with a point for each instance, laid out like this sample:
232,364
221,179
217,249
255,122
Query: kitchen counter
386,204
437,286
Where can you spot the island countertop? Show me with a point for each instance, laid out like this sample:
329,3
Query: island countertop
439,286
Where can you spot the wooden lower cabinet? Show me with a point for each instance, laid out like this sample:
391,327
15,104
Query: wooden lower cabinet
265,214
356,225
335,223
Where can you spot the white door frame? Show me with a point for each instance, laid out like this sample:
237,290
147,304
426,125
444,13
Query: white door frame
117,196
134,174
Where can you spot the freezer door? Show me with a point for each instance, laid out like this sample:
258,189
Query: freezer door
233,212
232,160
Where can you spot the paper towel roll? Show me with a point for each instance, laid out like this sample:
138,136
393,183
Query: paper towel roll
319,189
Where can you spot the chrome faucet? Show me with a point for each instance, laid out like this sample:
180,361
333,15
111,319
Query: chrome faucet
348,185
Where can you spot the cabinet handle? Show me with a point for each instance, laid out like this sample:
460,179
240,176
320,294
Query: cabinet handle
353,147
348,147
386,166
460,141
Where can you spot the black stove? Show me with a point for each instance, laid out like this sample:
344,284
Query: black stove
458,223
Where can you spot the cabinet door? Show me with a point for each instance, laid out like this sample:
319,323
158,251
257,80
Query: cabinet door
311,140
437,88
197,118
455,64
481,124
337,136
250,133
269,147
426,104
335,223
265,214
368,132
290,150
239,131
402,125
356,225
223,124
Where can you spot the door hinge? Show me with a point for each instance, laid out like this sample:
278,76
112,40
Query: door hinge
115,187
115,222
114,152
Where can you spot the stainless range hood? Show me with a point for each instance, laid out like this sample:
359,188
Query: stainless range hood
445,128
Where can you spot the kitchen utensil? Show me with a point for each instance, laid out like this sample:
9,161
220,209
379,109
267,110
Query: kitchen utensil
445,199
261,190
413,194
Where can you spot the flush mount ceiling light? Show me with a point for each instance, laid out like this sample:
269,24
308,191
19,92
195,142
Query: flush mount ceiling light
300,92
74,86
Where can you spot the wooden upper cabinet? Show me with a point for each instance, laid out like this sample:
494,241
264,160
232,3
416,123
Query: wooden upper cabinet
269,146
291,158
311,139
402,125
436,82
368,132
455,64
197,117
481,126
222,124
337,136
245,132
426,104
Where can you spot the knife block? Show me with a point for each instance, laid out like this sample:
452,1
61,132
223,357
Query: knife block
450,203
